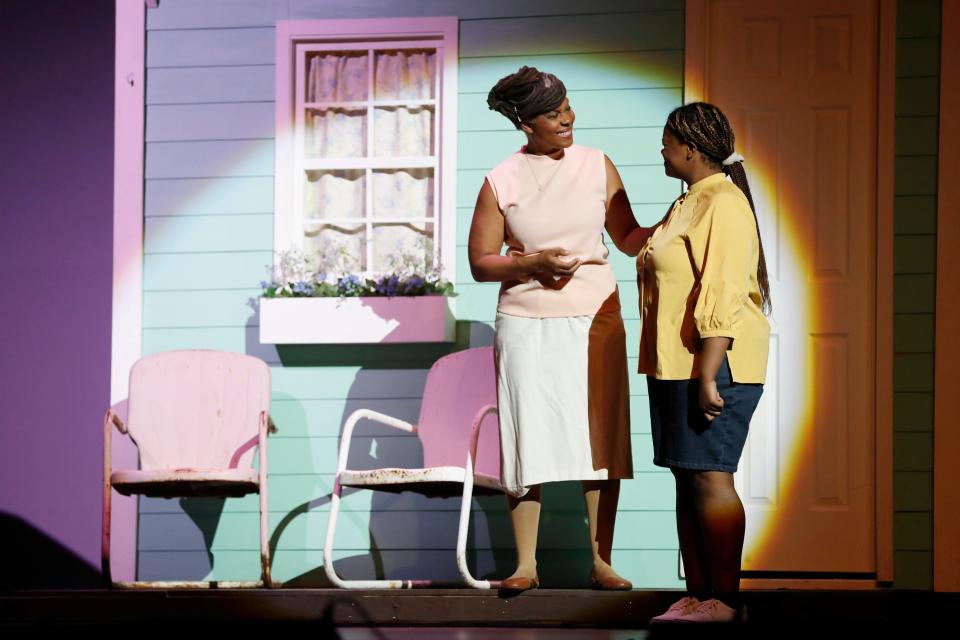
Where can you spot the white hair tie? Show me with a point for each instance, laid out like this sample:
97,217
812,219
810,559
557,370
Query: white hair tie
733,157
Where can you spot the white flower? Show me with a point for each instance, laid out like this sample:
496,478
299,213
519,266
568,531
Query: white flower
292,267
326,278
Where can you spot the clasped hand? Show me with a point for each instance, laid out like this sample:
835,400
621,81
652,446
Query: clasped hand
552,270
711,404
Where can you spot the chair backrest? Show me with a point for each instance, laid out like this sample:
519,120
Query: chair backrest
458,385
194,409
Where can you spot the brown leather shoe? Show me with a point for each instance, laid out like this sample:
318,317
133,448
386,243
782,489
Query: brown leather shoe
519,583
610,583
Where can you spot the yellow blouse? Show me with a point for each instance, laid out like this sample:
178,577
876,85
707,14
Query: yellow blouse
698,279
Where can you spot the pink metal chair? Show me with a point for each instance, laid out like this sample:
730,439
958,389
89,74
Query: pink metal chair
457,456
196,417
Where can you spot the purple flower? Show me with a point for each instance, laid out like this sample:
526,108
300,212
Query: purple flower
415,282
302,288
349,285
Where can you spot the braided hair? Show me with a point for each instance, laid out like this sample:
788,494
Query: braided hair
526,94
704,126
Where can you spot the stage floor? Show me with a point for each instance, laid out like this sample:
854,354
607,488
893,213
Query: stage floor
488,633
450,613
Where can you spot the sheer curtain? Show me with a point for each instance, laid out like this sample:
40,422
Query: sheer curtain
338,87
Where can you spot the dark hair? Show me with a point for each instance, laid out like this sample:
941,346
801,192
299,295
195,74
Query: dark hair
704,126
526,94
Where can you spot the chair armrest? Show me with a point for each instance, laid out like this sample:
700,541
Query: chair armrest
475,434
110,419
107,447
117,422
259,439
366,414
265,425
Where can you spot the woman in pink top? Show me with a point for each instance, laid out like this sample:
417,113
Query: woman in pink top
560,343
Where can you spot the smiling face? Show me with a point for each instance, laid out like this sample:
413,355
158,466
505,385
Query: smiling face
676,155
552,131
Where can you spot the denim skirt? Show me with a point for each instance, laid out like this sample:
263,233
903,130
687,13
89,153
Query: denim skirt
684,439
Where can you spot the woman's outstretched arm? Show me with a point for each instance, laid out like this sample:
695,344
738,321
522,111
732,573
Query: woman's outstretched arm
628,236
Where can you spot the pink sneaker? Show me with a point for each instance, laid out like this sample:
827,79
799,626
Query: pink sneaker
677,610
711,610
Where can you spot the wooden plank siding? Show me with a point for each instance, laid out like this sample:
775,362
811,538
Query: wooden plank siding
915,242
209,239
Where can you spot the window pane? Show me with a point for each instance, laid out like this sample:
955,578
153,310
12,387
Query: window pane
339,205
334,194
337,76
336,133
403,193
404,75
336,248
403,246
403,131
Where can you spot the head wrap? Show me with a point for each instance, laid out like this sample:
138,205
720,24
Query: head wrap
524,95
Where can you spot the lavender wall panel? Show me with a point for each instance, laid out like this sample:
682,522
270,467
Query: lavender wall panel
56,212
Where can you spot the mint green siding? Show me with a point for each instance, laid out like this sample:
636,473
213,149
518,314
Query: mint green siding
209,240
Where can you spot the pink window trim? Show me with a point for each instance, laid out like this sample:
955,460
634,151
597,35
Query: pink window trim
129,105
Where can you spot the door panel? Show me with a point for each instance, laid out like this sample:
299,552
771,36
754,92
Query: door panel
798,81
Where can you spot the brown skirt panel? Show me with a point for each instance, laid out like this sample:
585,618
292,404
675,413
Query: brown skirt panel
608,388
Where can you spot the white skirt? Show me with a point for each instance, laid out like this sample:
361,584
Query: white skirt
556,421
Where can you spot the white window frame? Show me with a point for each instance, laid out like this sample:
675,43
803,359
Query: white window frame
294,34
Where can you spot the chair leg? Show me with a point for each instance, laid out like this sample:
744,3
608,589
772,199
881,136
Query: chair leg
264,542
107,496
264,511
328,555
106,573
328,543
466,502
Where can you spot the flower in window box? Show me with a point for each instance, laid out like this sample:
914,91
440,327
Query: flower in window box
292,278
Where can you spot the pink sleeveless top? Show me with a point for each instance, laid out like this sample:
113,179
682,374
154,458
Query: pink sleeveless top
550,203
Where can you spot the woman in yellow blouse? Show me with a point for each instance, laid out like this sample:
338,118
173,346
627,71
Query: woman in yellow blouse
703,345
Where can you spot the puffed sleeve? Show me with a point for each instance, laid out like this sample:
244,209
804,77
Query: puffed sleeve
725,249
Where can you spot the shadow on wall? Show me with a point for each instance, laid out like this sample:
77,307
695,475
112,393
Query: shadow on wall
377,356
39,561
176,536
195,531
205,514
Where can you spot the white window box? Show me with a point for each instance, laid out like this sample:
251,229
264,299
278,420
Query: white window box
372,320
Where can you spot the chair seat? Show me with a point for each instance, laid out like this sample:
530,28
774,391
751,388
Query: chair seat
432,481
173,483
